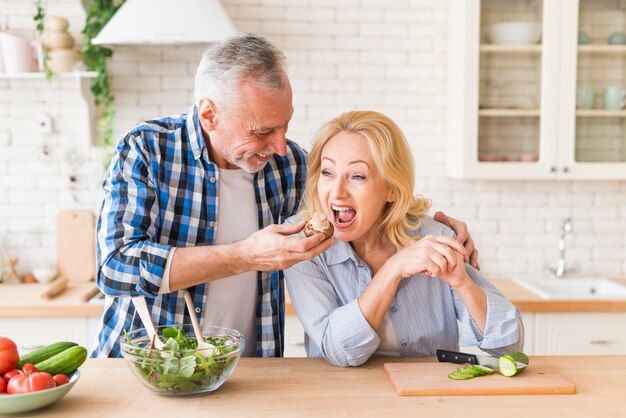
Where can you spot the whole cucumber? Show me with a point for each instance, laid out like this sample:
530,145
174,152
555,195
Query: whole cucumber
44,353
65,362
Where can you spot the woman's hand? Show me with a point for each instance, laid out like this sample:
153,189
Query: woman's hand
462,235
435,255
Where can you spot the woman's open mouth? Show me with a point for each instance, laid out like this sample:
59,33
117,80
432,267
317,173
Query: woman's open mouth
343,216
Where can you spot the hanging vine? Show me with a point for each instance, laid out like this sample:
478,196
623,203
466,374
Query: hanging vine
98,14
39,17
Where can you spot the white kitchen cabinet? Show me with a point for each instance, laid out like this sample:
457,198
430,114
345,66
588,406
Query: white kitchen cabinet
512,109
580,333
294,337
32,333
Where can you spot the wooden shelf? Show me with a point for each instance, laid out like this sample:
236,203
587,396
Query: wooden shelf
41,75
509,112
601,49
511,49
600,113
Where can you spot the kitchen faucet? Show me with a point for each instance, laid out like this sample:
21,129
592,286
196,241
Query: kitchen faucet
566,228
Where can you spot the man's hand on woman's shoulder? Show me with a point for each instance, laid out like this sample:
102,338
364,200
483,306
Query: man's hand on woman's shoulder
462,235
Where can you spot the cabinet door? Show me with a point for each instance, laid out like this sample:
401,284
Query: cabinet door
294,337
593,79
502,93
580,333
32,333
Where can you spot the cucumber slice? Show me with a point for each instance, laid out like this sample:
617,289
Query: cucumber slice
507,365
485,370
457,376
469,372
473,370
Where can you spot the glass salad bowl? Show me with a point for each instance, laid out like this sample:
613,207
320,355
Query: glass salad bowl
179,368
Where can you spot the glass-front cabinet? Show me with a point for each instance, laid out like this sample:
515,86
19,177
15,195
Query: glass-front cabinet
537,89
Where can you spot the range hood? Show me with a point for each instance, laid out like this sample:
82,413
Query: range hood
166,22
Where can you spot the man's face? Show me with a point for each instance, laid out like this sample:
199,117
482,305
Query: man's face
247,131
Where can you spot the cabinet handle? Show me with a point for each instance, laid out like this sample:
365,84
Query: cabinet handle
566,169
553,169
296,343
599,341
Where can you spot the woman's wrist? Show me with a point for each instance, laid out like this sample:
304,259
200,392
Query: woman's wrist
391,273
464,284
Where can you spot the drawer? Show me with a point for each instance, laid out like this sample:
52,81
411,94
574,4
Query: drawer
580,334
32,333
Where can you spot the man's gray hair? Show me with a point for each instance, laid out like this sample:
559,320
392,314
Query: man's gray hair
224,65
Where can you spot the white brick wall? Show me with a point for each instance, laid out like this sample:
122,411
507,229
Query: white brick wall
387,56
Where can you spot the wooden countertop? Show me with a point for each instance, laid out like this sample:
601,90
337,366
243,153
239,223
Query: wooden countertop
23,301
527,301
290,387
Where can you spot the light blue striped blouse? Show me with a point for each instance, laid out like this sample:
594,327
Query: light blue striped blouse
424,311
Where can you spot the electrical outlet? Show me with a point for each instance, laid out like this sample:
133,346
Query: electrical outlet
44,124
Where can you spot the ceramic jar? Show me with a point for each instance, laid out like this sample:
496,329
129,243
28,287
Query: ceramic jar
59,44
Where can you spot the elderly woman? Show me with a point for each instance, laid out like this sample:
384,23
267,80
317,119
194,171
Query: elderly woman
394,282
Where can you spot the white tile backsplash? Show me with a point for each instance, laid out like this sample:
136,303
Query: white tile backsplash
386,56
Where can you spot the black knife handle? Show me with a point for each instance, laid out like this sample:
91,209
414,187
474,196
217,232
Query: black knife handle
456,357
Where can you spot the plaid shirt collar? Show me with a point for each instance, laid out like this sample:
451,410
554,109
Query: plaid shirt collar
194,131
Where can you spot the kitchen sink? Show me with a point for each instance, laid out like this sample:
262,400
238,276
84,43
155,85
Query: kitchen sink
575,288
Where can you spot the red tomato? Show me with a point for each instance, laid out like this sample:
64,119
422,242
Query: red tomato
3,386
29,368
8,355
61,379
33,383
10,374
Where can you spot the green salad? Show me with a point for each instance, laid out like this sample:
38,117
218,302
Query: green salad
178,367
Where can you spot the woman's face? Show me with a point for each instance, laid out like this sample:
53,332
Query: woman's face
350,188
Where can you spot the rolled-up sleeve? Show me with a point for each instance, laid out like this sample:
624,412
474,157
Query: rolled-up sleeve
340,333
504,331
130,261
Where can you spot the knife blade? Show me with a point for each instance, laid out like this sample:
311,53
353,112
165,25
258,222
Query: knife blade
460,358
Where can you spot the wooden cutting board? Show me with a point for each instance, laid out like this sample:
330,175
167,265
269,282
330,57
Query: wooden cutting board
76,246
431,379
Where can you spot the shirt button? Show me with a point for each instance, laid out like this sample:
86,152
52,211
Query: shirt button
198,310
212,179
197,153
394,309
212,223
403,344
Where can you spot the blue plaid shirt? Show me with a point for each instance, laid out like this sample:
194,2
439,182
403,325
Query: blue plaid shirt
161,192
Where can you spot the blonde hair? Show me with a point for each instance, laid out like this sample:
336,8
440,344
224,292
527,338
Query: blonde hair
394,163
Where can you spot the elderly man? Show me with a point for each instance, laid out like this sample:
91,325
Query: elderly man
197,202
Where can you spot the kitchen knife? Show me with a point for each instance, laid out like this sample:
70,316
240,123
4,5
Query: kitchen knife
460,358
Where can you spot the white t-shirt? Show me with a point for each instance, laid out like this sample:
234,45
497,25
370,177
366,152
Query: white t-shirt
231,301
